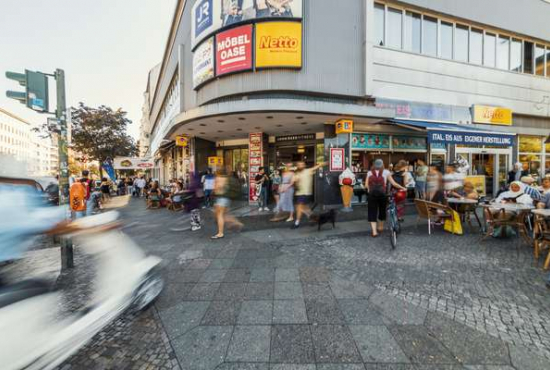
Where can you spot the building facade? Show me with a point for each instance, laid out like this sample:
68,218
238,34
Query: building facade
419,79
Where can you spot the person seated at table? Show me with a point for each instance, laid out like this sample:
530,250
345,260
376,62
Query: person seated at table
544,202
529,188
154,194
177,196
467,192
545,188
515,194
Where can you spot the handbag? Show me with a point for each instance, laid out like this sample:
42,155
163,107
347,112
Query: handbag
454,225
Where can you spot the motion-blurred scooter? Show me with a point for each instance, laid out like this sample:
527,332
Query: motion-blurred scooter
33,337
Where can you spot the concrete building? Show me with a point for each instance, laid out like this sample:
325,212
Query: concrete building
416,79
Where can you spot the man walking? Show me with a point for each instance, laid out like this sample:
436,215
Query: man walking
262,180
304,190
89,189
139,185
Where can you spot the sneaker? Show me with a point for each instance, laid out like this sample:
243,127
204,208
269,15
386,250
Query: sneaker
195,228
266,209
295,226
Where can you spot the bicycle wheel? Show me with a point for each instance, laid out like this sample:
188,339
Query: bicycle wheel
393,238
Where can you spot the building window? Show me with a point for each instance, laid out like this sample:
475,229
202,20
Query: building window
516,60
461,43
530,153
528,53
503,53
476,46
446,40
429,36
489,50
539,60
395,21
412,31
379,23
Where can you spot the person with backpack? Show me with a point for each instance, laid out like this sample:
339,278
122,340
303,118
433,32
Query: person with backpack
90,201
377,198
226,189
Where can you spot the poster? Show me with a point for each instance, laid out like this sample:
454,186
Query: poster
255,160
369,141
337,159
409,142
203,63
129,163
210,16
479,184
278,44
234,50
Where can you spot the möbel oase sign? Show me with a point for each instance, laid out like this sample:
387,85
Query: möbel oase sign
234,50
279,44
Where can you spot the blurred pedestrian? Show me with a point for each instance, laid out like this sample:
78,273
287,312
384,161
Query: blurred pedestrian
226,188
262,182
286,193
421,178
434,184
139,186
276,181
303,182
77,198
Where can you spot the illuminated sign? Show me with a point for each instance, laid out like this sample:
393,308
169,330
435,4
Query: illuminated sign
203,63
234,50
279,44
492,115
182,141
215,161
344,126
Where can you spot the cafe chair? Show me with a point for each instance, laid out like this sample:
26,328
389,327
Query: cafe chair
542,239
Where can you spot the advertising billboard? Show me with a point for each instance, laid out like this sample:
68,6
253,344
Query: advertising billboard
212,15
203,63
278,44
234,50
129,163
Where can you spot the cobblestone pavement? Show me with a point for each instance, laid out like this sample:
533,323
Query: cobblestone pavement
287,301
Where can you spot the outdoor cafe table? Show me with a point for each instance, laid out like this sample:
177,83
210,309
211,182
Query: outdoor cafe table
465,207
519,214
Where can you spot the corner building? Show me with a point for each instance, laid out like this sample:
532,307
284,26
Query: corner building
248,86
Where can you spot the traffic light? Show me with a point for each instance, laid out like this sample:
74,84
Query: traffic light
35,96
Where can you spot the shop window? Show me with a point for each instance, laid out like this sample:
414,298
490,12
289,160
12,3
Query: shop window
516,60
530,144
503,53
379,23
429,36
412,31
461,43
446,40
528,53
539,60
476,46
489,50
395,21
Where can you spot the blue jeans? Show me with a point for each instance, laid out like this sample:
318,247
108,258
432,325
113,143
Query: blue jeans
262,200
90,206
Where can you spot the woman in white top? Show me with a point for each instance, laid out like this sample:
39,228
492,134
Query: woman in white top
515,195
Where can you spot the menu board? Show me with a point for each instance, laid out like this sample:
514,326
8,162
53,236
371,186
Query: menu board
337,159
255,160
408,142
370,141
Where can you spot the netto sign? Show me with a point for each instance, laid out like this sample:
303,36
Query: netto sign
279,44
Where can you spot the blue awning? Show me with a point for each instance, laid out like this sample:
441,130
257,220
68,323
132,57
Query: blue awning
446,133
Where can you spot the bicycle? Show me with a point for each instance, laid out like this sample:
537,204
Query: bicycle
394,225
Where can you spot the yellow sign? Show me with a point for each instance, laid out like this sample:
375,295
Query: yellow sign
492,115
344,126
479,184
215,161
279,44
182,141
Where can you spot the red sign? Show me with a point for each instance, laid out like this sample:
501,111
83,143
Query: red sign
234,50
255,160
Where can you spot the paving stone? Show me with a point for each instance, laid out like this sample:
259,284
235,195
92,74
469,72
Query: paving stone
288,291
230,291
203,292
172,294
525,359
323,311
213,276
289,312
237,276
340,367
240,263
292,367
262,275
314,274
390,367
222,313
334,344
181,318
249,344
317,291
468,345
359,311
376,344
348,289
420,346
256,313
184,275
287,275
199,263
488,367
397,311
221,263
262,291
202,348
291,344
243,366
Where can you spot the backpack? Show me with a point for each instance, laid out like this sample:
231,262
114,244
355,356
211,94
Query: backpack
233,188
377,184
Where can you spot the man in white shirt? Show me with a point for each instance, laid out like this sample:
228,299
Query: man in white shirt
139,184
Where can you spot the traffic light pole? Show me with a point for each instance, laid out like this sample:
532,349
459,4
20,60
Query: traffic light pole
67,260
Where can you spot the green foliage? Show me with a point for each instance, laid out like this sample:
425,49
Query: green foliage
100,133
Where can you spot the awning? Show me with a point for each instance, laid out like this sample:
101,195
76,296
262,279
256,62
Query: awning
445,133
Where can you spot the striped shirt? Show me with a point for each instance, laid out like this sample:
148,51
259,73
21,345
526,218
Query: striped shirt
532,192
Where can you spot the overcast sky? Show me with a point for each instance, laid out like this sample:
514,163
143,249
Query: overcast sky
106,48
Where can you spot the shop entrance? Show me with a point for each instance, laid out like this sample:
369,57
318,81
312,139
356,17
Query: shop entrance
299,153
490,165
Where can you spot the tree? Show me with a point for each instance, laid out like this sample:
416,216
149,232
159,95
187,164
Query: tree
100,133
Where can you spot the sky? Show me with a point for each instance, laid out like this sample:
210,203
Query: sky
106,48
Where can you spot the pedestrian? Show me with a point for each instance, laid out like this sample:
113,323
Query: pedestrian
421,178
193,204
276,181
286,192
208,181
225,188
377,199
404,178
303,180
434,184
139,186
129,186
105,189
77,198
452,180
262,182
121,187
90,201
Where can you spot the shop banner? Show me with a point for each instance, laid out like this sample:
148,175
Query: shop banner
128,163
367,141
234,50
203,63
344,126
211,15
255,161
409,143
279,44
337,159
182,141
492,115
470,138
215,161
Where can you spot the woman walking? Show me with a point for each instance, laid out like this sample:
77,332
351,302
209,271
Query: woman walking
421,177
276,181
286,191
